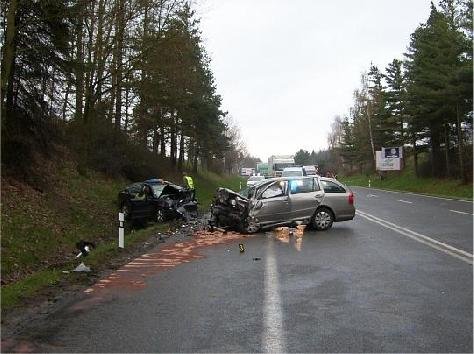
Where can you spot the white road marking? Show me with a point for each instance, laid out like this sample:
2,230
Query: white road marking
405,201
273,338
460,212
441,246
372,196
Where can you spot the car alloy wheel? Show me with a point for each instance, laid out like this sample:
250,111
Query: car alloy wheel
252,227
322,219
160,215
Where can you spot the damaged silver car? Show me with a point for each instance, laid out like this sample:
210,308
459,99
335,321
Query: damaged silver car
274,202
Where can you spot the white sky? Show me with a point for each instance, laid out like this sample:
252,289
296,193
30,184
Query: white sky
285,68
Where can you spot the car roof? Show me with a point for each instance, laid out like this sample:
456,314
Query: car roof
156,181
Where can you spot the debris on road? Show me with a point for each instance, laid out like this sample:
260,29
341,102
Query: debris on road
82,268
241,248
84,247
131,275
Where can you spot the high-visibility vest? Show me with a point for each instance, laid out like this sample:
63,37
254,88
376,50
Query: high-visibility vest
189,182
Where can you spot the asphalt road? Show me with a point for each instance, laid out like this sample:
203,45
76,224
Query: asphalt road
398,278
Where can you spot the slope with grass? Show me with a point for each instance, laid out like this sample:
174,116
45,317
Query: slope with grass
40,226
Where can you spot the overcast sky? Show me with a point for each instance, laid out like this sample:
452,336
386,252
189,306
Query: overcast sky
285,68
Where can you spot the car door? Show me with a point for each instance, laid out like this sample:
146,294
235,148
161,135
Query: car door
305,196
337,198
272,205
140,203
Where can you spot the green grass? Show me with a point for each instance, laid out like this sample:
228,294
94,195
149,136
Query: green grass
207,183
39,230
409,183
14,293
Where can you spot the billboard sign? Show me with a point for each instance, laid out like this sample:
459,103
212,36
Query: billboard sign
387,164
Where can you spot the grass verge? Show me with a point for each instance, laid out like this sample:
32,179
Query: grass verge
40,228
408,183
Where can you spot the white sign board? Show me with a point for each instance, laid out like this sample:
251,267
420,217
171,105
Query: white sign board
387,164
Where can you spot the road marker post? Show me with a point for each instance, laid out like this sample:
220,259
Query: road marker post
369,182
121,230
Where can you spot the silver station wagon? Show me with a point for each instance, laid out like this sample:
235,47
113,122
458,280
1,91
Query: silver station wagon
283,201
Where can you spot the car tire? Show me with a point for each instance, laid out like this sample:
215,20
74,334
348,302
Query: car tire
322,219
160,216
251,227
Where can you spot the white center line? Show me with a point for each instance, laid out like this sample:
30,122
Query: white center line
405,201
273,338
460,212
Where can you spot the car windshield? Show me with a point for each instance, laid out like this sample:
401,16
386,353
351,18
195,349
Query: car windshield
247,192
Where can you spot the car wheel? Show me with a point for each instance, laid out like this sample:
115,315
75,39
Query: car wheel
323,219
160,215
251,227
126,210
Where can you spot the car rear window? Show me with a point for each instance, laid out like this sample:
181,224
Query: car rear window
331,187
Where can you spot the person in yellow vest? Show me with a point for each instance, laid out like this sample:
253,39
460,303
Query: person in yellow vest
188,183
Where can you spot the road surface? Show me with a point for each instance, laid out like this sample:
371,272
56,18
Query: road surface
398,278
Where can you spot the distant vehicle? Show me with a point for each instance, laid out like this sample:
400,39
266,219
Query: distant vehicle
262,169
255,180
156,200
273,202
337,205
292,172
276,164
310,170
247,171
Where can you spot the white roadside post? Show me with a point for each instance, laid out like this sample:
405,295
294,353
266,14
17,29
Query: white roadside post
121,232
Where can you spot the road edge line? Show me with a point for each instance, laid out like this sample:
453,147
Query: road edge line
441,246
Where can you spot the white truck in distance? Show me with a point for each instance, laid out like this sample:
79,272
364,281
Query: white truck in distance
276,164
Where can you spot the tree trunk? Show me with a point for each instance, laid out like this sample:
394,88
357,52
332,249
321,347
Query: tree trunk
415,157
127,106
371,135
435,151
173,145
119,33
181,151
79,62
195,159
99,51
460,144
156,139
66,97
446,142
8,62
162,141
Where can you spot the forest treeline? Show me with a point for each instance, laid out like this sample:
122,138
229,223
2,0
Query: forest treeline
126,85
422,101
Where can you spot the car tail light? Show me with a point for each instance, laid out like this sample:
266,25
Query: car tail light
350,199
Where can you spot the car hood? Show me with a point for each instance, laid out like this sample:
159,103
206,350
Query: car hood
224,195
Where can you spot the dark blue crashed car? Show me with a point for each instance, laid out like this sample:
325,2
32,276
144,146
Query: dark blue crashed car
157,200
